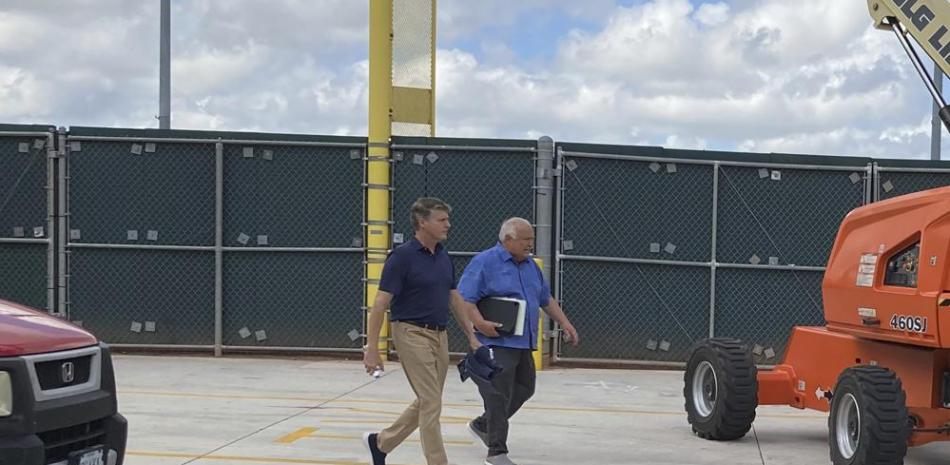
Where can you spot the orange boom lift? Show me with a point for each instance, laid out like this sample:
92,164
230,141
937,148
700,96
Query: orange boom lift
881,365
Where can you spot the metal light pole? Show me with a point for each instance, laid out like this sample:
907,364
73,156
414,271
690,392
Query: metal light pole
936,128
165,72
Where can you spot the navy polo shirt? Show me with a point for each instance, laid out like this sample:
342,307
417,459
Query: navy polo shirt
420,282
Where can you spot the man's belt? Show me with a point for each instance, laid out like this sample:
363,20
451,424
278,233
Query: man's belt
423,325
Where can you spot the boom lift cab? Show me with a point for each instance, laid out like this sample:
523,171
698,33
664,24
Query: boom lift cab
888,272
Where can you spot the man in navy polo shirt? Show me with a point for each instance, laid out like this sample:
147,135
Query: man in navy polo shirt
507,270
418,285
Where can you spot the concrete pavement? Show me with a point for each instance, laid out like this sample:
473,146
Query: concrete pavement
242,411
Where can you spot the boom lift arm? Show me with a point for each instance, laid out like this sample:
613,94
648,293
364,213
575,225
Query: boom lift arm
928,23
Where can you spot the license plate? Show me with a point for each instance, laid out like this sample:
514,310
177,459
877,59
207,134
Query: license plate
91,456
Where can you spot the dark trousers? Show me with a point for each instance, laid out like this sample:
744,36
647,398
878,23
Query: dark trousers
504,395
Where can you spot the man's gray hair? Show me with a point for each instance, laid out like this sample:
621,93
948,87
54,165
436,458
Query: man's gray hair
509,228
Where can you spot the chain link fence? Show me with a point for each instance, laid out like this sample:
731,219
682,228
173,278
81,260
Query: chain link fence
634,311
783,216
26,209
143,296
636,209
898,177
293,265
293,195
224,240
141,194
141,225
255,241
458,343
760,307
485,182
659,248
293,299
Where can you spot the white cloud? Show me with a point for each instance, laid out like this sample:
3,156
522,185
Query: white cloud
676,141
766,75
712,14
23,95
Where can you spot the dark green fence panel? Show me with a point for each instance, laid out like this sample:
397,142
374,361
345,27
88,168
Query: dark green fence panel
24,212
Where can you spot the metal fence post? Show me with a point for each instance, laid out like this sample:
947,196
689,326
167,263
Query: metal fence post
218,247
544,203
558,234
712,256
876,183
51,233
63,217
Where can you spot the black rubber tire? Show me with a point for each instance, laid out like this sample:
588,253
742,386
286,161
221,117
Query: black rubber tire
882,410
736,389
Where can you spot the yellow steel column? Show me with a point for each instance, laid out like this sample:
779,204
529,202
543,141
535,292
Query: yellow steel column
378,232
539,353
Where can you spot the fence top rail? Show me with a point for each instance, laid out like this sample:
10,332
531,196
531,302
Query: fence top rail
24,134
256,142
92,245
459,143
765,266
210,136
209,248
885,169
463,254
715,155
637,261
692,161
296,249
463,147
649,261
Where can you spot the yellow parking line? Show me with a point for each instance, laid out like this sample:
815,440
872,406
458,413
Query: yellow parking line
241,458
299,434
371,420
451,442
396,414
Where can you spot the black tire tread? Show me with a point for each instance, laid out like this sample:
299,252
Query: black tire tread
884,401
735,366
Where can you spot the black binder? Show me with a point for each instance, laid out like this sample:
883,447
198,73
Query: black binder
505,310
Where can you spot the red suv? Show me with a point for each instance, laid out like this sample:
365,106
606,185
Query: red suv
57,393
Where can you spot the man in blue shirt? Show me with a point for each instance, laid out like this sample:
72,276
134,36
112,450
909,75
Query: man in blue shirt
507,270
417,285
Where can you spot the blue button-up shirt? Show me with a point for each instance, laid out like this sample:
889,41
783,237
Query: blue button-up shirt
420,282
494,273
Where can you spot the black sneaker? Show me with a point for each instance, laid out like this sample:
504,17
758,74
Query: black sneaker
377,457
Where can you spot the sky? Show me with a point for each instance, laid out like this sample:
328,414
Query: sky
810,76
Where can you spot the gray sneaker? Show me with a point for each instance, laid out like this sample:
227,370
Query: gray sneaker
500,459
477,433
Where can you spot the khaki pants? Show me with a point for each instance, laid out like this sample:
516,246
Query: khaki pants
424,354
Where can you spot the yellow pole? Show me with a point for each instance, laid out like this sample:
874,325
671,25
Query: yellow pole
538,354
378,209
